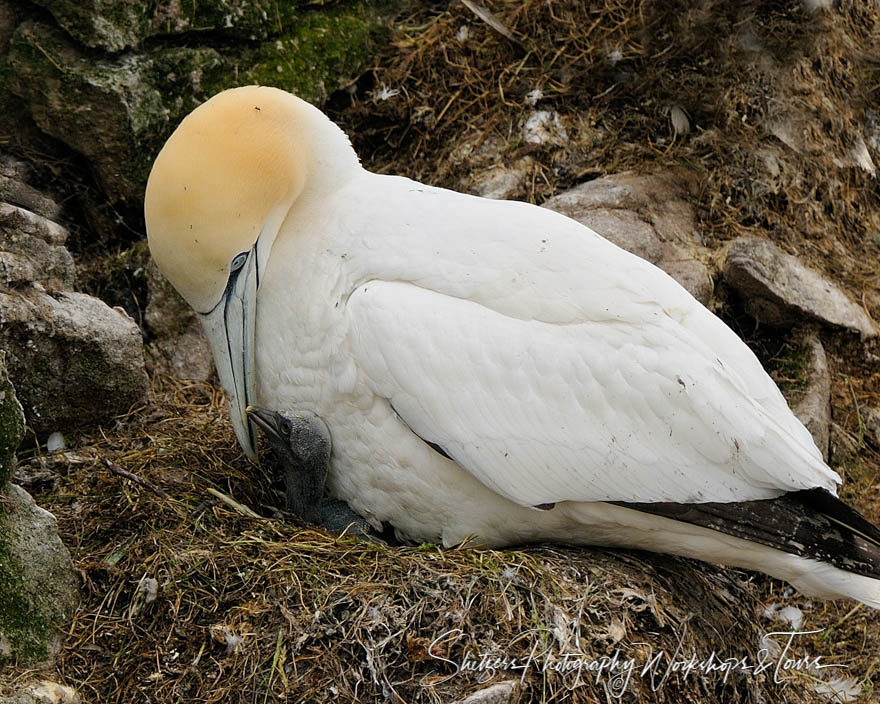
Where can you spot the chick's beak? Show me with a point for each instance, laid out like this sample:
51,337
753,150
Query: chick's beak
266,420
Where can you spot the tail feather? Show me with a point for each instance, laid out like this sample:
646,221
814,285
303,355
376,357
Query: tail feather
812,524
824,580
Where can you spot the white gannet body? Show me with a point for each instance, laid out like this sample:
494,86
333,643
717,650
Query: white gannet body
486,368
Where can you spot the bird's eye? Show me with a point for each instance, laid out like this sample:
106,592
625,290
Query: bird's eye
285,427
238,262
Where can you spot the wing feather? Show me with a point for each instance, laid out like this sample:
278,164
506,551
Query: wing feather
635,407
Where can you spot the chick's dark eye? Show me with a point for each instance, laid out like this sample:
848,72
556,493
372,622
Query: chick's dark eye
238,261
285,428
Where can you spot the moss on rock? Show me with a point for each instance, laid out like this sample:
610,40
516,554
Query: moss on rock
320,51
11,424
118,24
23,635
118,110
37,583
114,111
38,588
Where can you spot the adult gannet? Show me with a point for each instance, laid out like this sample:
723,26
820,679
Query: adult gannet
486,368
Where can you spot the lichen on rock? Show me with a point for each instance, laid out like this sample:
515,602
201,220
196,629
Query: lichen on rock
118,109
11,423
115,111
38,588
115,25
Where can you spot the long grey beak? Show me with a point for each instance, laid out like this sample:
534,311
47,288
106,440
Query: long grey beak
230,332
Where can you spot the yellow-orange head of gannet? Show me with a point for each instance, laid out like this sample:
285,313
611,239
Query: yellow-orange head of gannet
216,198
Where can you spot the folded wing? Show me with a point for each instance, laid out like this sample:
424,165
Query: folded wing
639,410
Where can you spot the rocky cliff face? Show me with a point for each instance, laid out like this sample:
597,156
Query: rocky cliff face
74,361
111,80
38,588
103,84
89,92
11,424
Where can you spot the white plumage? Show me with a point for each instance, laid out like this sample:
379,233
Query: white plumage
550,365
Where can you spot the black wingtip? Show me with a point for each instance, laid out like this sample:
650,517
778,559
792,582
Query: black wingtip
812,523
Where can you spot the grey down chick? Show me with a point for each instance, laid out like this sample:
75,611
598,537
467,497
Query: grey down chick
301,443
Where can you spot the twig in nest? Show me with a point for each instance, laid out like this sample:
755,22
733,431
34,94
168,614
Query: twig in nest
136,479
492,21
233,504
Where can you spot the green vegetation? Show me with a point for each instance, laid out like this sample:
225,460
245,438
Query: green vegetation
24,630
321,50
11,425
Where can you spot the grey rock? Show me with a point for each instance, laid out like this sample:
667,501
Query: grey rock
502,693
38,586
185,357
75,362
42,692
179,347
15,188
813,404
109,109
111,25
114,25
626,229
117,109
648,215
502,182
627,191
20,193
780,290
11,423
690,271
32,250
871,418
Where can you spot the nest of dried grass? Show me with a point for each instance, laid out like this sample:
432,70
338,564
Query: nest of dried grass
185,599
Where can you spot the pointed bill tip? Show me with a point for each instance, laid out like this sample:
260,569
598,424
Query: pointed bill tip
244,433
264,419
